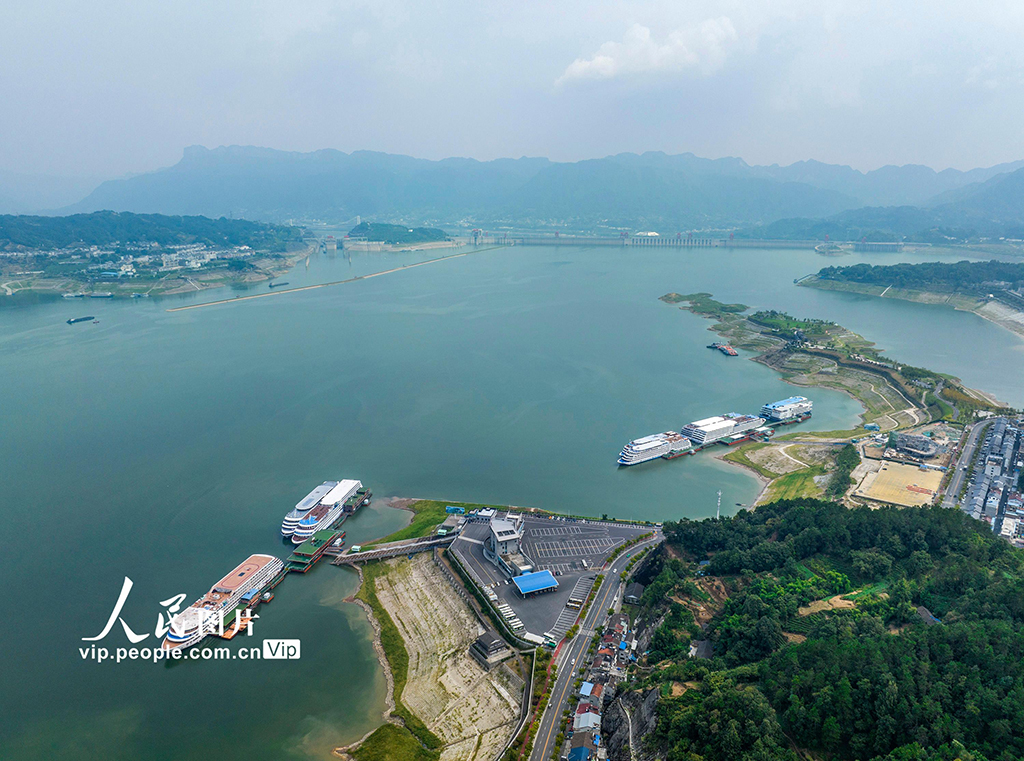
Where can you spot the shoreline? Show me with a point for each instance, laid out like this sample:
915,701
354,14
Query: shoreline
268,268
993,311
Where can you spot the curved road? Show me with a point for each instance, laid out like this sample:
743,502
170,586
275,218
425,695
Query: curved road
571,659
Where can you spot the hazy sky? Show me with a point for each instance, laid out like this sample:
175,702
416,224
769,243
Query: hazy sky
109,87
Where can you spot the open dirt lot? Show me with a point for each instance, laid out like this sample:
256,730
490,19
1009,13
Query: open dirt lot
905,485
472,710
833,603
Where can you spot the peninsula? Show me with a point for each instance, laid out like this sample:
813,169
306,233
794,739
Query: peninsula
819,353
992,290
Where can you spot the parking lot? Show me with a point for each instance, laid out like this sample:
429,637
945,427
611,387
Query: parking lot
570,549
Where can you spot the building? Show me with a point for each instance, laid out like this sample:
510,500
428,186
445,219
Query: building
503,545
633,593
916,446
489,650
538,582
587,721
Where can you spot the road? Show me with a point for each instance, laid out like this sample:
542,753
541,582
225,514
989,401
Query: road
571,659
966,456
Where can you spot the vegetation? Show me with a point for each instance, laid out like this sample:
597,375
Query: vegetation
105,228
787,325
892,635
840,481
544,674
976,277
427,514
397,234
389,742
703,304
398,661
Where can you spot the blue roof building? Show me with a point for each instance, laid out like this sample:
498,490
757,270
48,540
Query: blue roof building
535,583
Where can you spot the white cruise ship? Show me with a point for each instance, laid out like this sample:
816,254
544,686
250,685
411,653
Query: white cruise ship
311,500
712,429
204,615
787,409
653,446
328,510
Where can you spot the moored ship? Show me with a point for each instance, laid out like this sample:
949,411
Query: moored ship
654,446
205,615
307,503
328,510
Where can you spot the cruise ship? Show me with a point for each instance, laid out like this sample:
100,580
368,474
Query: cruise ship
787,409
326,512
205,615
653,446
712,429
311,500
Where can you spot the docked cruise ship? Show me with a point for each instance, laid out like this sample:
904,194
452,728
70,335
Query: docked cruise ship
205,615
311,500
326,512
712,429
787,409
653,446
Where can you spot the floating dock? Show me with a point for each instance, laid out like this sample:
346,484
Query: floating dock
310,551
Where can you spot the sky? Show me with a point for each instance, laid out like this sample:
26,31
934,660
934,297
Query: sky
107,88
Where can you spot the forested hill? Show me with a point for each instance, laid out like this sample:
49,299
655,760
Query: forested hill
397,234
103,228
939,276
892,635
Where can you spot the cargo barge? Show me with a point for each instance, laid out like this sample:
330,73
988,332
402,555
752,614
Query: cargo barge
725,348
76,320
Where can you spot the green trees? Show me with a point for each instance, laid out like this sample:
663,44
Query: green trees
104,228
724,721
965,275
872,682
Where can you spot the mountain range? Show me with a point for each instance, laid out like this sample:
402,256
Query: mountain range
656,191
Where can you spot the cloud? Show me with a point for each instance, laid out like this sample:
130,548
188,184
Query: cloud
701,48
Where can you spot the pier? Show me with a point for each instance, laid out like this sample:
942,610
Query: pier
391,550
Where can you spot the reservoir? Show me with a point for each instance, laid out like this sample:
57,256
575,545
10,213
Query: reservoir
166,447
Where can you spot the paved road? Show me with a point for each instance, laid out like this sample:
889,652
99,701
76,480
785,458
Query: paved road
966,455
571,658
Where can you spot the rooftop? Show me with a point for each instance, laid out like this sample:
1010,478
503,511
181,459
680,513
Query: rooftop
535,582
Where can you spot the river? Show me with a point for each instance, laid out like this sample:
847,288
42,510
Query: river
166,447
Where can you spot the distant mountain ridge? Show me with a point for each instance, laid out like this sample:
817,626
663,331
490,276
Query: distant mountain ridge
668,193
991,209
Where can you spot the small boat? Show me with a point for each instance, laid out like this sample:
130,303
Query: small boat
267,596
277,285
74,320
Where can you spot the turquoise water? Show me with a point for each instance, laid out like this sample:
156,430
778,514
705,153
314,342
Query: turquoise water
168,446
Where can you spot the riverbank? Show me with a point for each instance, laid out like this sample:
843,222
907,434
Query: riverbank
258,268
443,705
992,310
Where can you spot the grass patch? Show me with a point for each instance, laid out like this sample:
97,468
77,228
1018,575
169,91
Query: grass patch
391,742
397,655
796,485
739,456
427,514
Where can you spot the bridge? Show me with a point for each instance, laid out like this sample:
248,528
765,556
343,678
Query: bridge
392,550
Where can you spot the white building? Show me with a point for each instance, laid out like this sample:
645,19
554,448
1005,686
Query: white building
503,546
